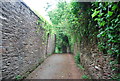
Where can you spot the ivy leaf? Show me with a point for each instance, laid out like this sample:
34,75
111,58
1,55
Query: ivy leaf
114,7
95,13
109,52
116,20
97,19
104,8
100,34
110,13
102,23
100,15
110,36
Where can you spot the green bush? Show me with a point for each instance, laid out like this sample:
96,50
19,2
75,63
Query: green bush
77,58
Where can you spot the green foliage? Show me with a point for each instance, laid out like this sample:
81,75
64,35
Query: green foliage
77,58
108,24
95,13
108,21
87,23
77,61
19,77
80,66
71,20
117,77
43,24
85,77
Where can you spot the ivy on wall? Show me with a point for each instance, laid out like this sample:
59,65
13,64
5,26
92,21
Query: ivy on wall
107,16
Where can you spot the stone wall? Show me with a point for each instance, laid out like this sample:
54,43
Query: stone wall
0,46
95,63
51,44
22,45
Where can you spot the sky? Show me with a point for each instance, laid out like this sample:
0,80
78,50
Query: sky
39,6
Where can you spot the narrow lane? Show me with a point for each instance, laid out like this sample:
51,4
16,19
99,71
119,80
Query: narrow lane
57,66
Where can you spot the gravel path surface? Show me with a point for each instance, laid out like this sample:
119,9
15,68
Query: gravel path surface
57,66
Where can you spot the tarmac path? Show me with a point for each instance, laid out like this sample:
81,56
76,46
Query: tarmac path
57,66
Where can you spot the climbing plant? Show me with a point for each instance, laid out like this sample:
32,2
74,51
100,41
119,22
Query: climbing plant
107,16
70,19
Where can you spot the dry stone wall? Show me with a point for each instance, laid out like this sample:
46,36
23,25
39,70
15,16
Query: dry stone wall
95,63
22,45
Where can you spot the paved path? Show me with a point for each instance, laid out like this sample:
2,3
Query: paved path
57,66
